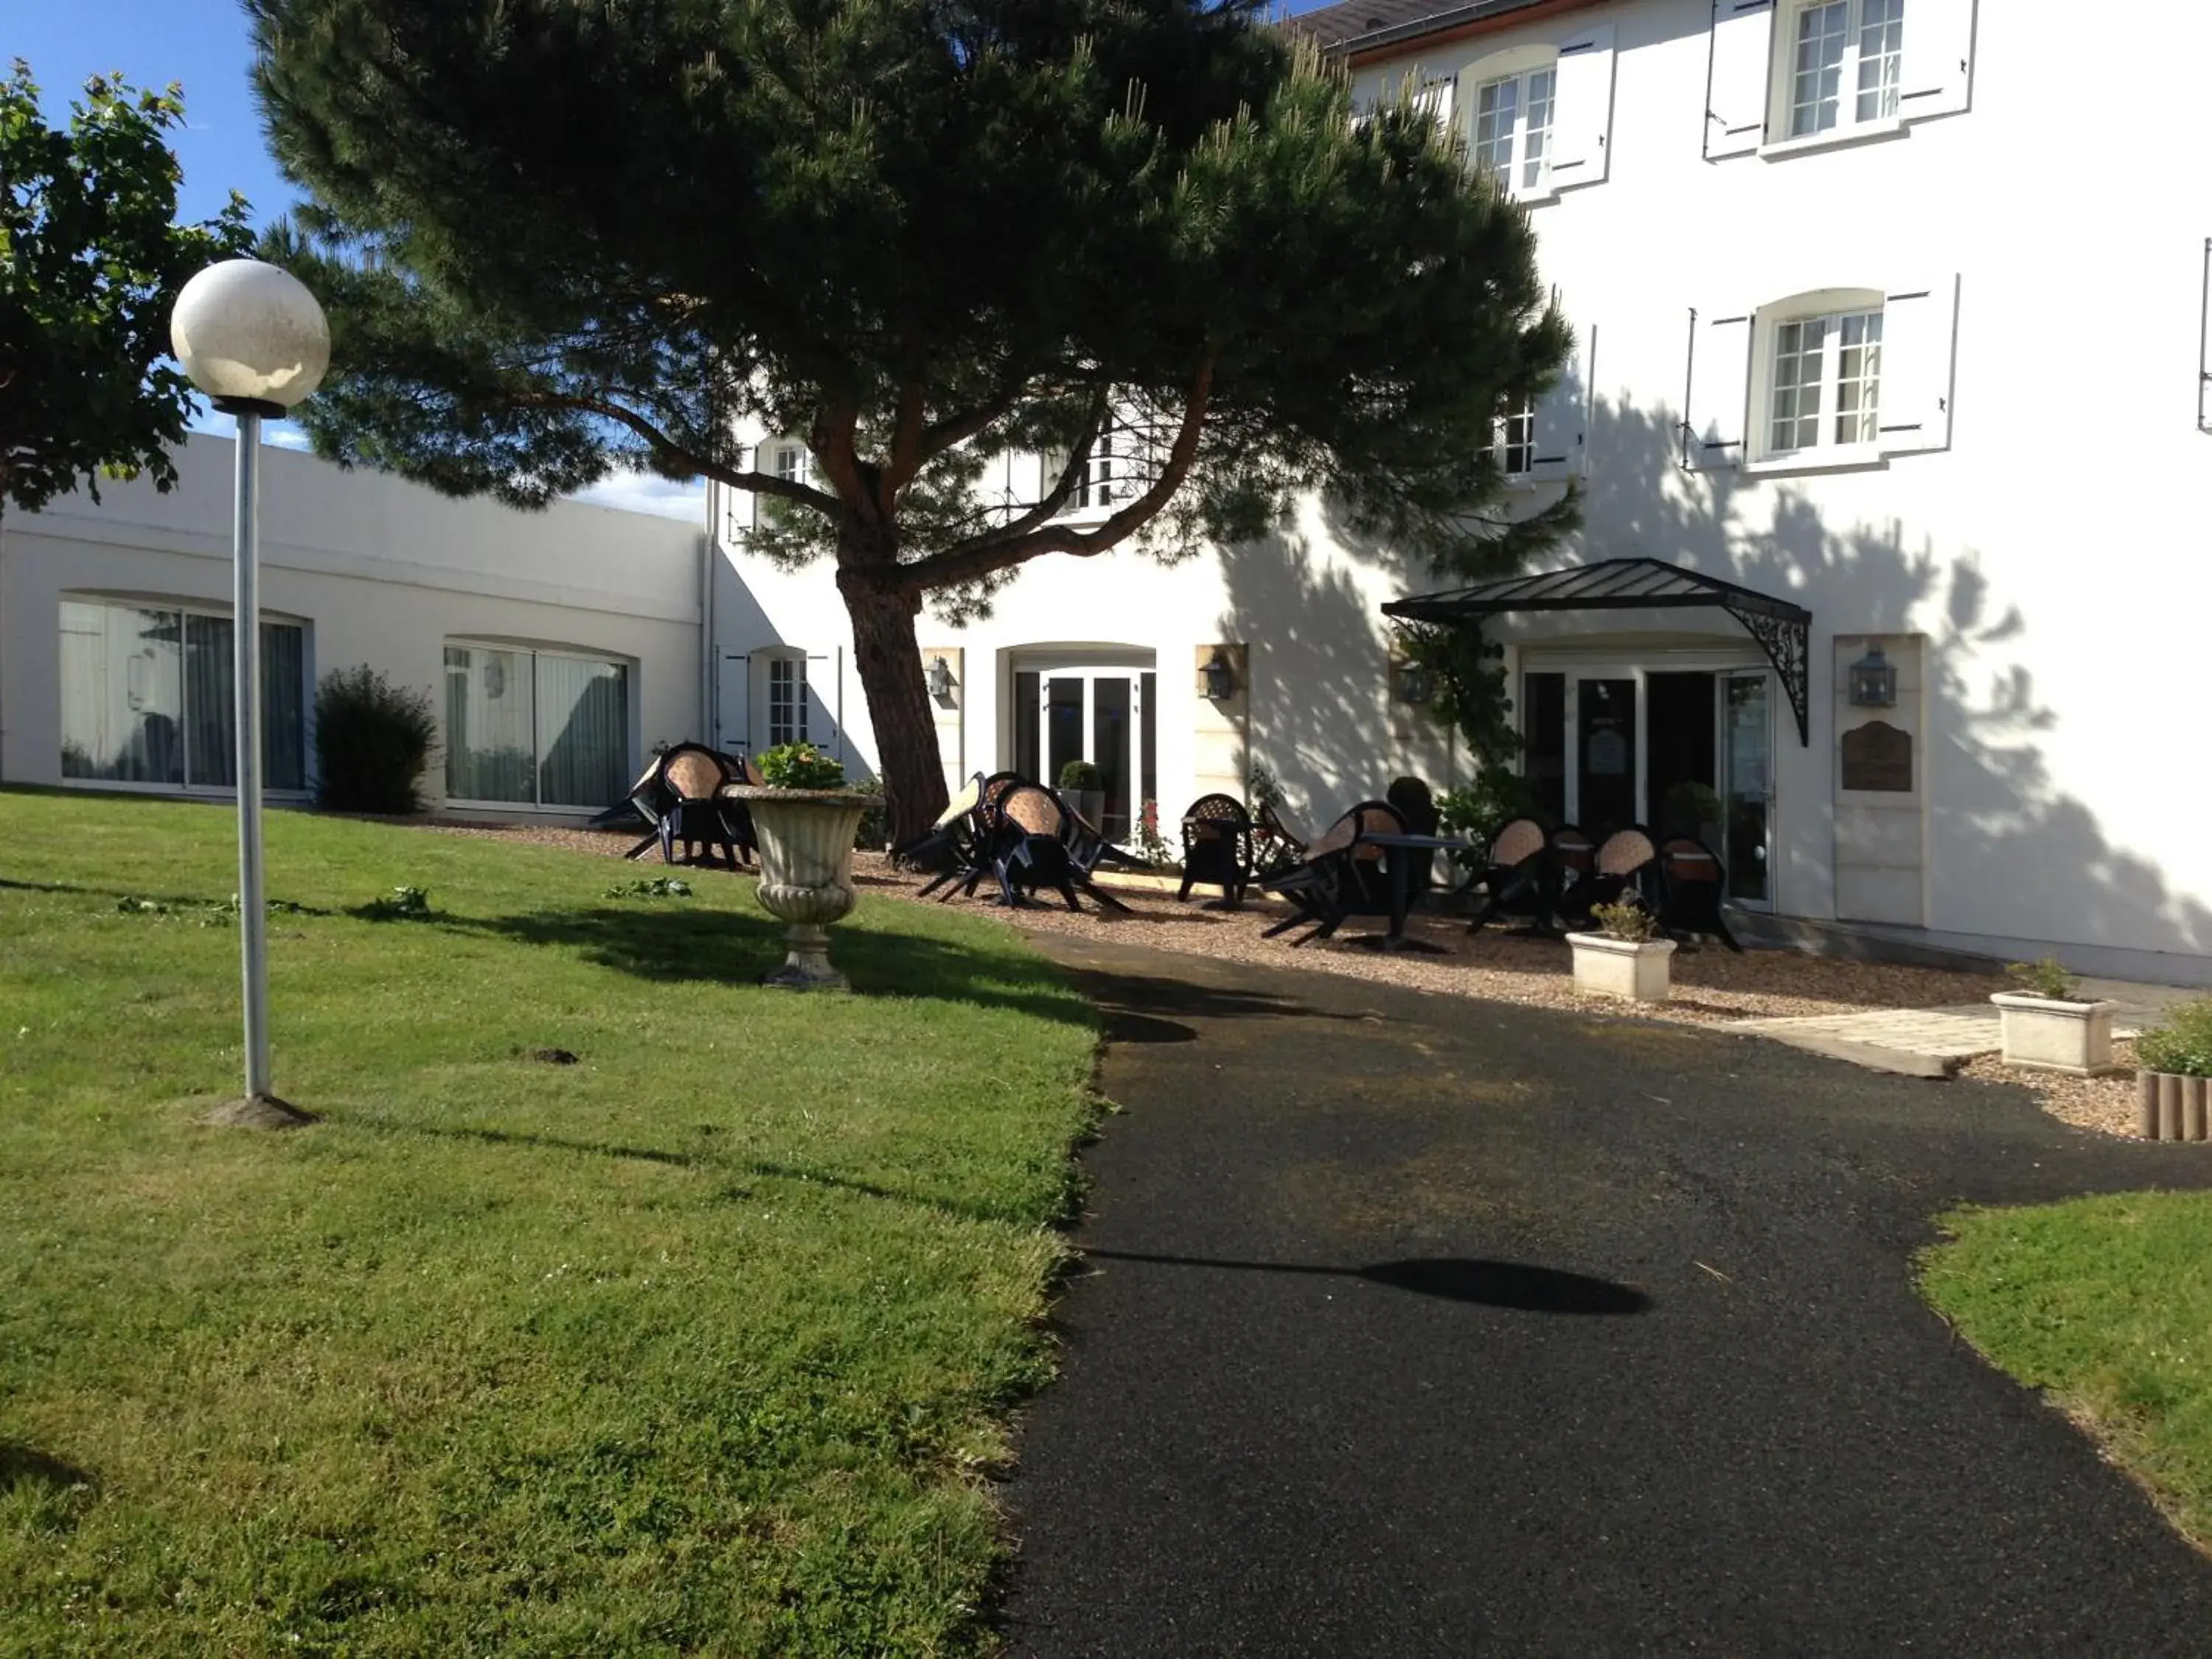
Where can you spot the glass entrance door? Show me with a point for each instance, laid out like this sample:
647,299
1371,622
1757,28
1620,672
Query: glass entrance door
1101,715
1604,758
1747,786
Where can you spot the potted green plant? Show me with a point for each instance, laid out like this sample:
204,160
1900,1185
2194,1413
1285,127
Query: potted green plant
1625,958
1082,787
2173,1075
1691,809
2044,1028
804,818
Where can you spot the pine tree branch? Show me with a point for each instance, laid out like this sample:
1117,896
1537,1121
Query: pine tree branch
987,554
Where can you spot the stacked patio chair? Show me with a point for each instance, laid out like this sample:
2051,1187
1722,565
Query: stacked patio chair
1690,890
1627,862
1036,842
1277,848
948,847
680,796
1216,849
1520,878
1343,874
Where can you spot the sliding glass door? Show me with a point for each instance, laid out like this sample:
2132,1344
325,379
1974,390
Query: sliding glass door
146,697
535,728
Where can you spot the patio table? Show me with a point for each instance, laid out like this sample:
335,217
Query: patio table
1401,886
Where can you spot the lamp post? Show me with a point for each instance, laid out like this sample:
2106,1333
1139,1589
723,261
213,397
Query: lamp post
252,338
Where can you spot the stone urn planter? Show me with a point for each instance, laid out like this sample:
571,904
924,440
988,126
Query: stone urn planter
1639,970
805,842
2054,1034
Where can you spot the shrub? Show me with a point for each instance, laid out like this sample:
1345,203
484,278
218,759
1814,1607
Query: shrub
373,741
1078,776
874,831
1266,789
1483,807
2182,1044
1627,920
1686,807
2047,978
1152,845
800,766
1416,807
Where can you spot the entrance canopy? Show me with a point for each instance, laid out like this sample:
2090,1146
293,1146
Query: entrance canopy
1784,630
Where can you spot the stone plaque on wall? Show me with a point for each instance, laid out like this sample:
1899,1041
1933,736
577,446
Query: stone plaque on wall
1877,755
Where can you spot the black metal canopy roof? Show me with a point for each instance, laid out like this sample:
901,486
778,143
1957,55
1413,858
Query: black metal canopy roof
1784,630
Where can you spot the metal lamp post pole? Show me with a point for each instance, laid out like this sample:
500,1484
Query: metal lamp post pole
245,669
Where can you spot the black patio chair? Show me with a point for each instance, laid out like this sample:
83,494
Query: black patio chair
1692,885
1343,875
680,796
1037,841
1277,848
1627,862
1519,879
948,849
1216,849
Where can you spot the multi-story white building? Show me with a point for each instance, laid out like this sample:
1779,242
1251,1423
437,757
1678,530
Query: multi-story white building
1881,350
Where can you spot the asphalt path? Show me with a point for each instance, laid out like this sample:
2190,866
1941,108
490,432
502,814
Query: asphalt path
1413,1325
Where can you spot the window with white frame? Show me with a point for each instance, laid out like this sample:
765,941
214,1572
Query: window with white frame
1513,445
1826,387
147,696
535,728
787,700
1825,378
1513,117
790,463
1846,64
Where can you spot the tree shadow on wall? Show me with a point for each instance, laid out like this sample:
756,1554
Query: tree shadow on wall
2019,857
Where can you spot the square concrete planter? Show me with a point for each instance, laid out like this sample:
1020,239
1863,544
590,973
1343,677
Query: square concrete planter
2045,1034
1637,970
2173,1106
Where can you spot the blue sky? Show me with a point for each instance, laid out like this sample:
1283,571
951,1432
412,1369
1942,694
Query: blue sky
205,45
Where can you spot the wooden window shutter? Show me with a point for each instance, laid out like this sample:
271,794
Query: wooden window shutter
1718,390
1938,73
1919,325
1581,114
1740,76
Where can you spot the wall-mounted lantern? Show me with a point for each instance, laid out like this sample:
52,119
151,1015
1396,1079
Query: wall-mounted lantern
1415,686
941,683
1874,681
1217,680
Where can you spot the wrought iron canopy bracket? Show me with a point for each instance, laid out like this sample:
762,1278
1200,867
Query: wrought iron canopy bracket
1787,641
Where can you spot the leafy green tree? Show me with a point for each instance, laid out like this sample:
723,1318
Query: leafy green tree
91,260
557,237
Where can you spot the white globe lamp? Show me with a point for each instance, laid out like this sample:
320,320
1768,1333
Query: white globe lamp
252,338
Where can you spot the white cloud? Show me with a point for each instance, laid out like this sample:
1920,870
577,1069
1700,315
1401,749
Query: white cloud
644,492
284,435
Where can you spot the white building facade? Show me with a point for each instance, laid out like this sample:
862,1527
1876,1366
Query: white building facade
1867,327
557,648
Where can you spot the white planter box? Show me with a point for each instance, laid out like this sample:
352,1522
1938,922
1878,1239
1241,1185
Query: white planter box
2044,1034
1622,967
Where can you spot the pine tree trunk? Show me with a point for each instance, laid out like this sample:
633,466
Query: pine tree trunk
889,658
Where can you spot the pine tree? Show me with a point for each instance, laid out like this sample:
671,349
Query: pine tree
557,237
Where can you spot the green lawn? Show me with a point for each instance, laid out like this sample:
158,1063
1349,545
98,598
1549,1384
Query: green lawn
700,1344
2106,1304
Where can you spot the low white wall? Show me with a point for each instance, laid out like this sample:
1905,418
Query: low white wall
383,571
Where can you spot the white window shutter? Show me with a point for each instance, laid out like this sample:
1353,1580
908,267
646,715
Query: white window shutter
1561,417
1740,85
1581,114
1437,99
1719,390
1938,71
1919,322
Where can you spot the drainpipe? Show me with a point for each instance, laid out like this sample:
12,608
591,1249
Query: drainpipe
707,624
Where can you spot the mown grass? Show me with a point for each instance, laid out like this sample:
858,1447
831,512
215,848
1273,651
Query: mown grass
698,1345
2106,1304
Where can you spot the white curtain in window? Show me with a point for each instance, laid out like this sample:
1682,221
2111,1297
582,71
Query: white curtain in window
583,731
491,727
123,695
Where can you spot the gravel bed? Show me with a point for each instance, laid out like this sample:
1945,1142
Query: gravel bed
2106,1104
1711,986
